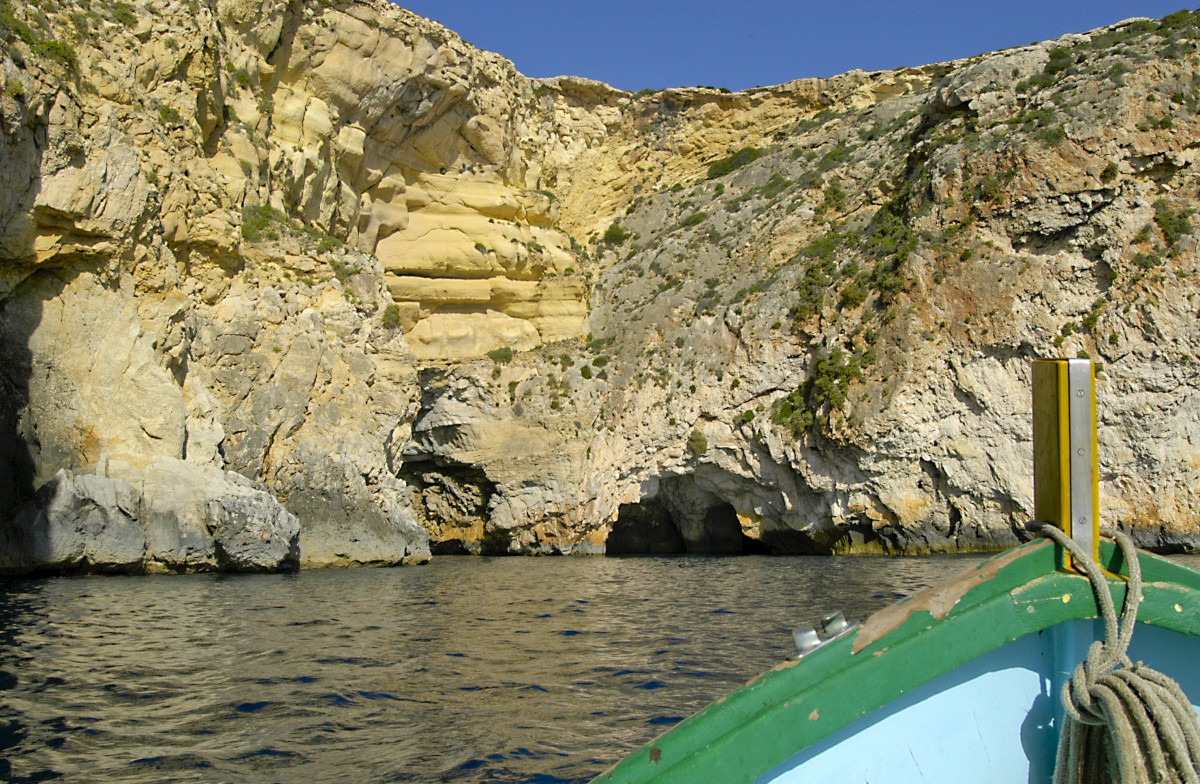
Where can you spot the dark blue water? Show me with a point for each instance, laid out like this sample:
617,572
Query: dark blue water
465,670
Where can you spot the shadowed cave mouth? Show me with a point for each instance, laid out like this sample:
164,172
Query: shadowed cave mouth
652,527
451,500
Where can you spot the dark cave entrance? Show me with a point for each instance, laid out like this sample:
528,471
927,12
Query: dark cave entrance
719,532
657,526
452,500
645,529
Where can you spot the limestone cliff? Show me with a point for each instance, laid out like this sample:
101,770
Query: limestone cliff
418,297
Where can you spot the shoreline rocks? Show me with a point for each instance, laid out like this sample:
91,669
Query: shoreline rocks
171,517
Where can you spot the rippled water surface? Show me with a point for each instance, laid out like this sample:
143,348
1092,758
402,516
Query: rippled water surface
465,670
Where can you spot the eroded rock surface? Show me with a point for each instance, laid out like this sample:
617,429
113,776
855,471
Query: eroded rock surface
431,304
172,517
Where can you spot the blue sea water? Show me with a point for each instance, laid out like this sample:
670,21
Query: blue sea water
542,670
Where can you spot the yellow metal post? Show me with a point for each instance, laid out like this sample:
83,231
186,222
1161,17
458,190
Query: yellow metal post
1066,472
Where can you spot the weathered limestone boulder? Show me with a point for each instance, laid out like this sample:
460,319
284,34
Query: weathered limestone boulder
253,533
171,517
184,506
75,522
467,335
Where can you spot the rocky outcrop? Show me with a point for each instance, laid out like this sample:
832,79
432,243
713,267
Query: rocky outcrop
171,518
432,305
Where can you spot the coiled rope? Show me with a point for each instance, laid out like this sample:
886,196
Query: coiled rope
1124,722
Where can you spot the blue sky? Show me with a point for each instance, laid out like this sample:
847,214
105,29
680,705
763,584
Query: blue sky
634,44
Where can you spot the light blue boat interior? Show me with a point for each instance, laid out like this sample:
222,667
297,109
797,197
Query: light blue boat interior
994,719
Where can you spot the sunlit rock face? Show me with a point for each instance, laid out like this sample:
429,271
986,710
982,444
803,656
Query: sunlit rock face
428,304
412,146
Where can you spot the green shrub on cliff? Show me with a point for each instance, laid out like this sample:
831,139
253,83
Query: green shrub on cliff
10,25
832,378
40,45
890,240
124,13
821,393
774,186
734,161
989,189
1061,59
697,444
853,295
391,316
1173,223
258,222
810,290
56,51
501,356
833,198
169,115
834,158
615,235
342,270
1179,20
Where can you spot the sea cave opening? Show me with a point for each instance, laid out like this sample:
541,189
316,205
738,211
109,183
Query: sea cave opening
656,526
645,528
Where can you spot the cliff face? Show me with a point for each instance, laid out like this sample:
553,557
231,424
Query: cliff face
420,298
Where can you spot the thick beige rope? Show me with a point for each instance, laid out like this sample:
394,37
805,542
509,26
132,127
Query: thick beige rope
1125,723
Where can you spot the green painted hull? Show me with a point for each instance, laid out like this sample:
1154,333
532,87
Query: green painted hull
1014,622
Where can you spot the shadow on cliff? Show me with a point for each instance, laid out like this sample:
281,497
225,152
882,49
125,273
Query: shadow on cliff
20,315
21,308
